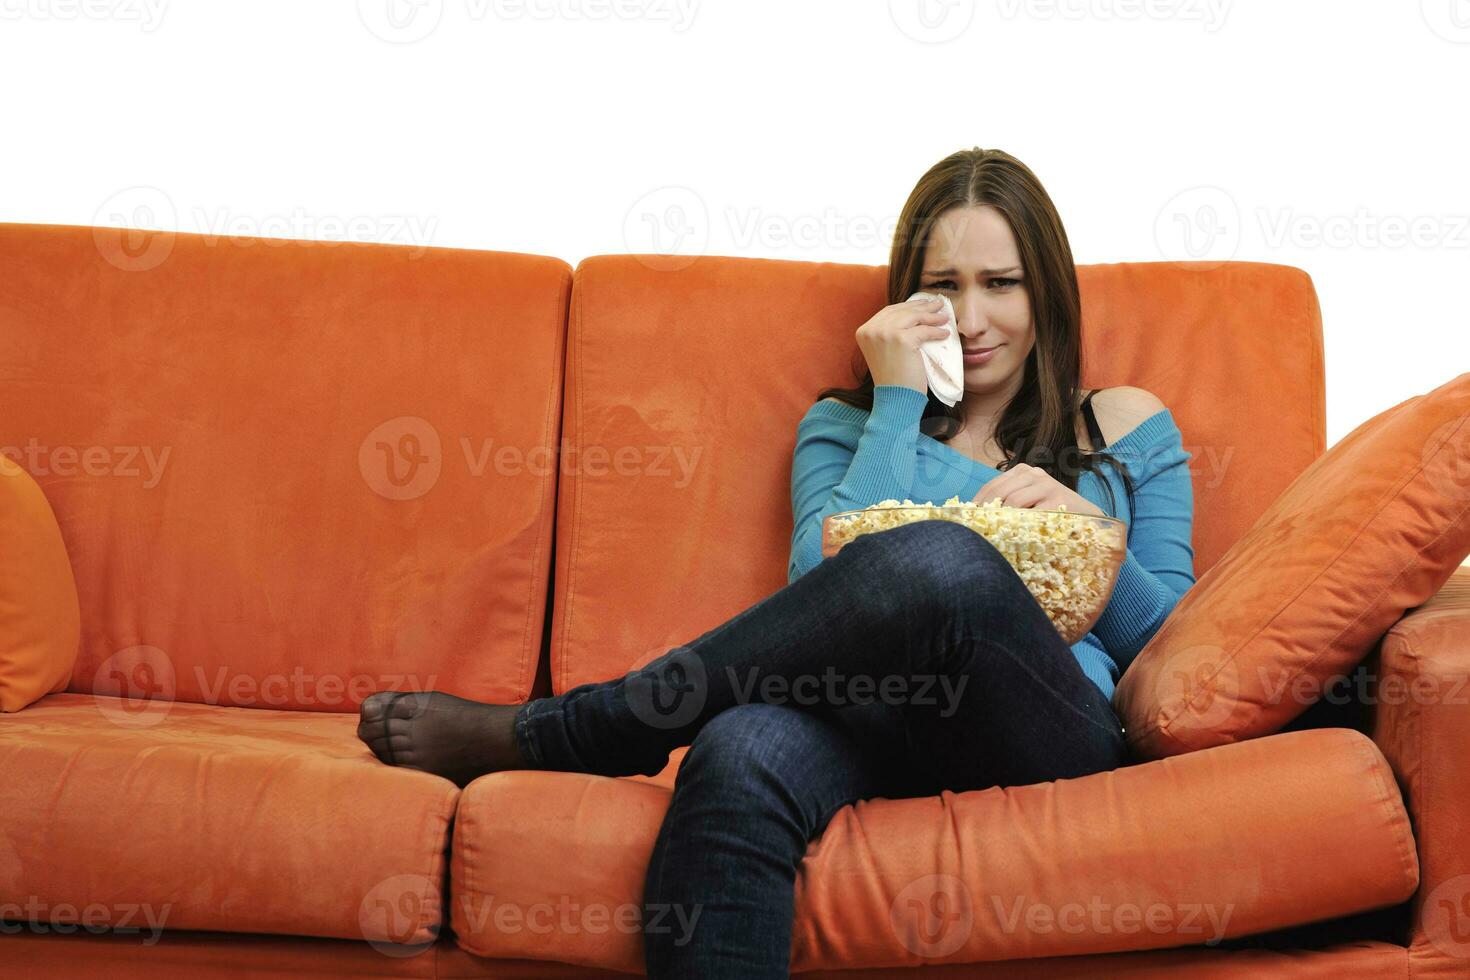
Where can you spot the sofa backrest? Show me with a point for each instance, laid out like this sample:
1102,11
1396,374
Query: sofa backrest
289,473
686,380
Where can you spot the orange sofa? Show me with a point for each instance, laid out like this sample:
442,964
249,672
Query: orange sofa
291,473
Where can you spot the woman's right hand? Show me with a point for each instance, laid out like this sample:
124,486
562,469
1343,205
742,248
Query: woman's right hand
890,341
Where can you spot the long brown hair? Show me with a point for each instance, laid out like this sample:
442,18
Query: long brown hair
1038,425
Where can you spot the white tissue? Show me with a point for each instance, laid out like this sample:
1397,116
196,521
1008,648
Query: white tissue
944,361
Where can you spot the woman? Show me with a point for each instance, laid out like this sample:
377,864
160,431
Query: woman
912,661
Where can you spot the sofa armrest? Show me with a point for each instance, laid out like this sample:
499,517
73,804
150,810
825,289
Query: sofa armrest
1420,719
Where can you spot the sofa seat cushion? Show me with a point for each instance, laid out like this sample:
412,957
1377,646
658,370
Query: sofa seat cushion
193,816
1228,841
218,956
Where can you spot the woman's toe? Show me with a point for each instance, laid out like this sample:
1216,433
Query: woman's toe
407,705
372,724
374,706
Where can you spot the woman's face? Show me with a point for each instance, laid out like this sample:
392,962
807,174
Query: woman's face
972,258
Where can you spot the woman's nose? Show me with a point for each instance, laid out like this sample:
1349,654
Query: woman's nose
967,319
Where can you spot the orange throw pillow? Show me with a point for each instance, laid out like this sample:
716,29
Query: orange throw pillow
40,618
1370,530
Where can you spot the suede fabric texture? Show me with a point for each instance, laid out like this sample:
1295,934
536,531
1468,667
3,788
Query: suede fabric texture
291,473
232,819
1369,531
685,387
274,538
1154,835
40,621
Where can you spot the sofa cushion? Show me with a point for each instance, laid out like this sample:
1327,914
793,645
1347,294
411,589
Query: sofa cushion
220,956
685,387
296,472
40,622
234,819
1225,842
1371,529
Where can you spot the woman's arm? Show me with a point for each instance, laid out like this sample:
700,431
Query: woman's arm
1158,567
837,466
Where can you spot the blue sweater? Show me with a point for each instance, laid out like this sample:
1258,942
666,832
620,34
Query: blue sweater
846,458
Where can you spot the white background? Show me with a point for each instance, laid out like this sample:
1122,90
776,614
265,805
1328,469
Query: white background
1326,135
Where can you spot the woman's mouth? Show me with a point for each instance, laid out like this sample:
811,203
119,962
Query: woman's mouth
980,355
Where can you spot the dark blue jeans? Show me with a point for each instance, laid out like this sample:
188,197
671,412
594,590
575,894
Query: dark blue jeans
913,660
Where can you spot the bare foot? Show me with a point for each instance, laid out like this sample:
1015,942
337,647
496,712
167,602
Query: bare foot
435,732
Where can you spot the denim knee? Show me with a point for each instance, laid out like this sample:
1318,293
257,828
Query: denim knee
934,563
750,754
738,743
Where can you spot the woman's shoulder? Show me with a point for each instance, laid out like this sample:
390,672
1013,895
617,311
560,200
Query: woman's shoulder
834,413
1123,409
834,406
1122,412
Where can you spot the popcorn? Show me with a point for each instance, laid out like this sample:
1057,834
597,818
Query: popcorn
1069,562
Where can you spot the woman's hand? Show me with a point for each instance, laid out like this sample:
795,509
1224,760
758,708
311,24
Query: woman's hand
890,341
1024,485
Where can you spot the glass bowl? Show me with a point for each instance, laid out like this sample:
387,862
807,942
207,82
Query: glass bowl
1068,561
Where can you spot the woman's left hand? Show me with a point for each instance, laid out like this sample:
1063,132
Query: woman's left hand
1024,485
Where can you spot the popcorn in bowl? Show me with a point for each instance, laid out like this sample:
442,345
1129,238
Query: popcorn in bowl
1068,561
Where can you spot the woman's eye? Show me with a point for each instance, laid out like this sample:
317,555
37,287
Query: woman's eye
949,283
